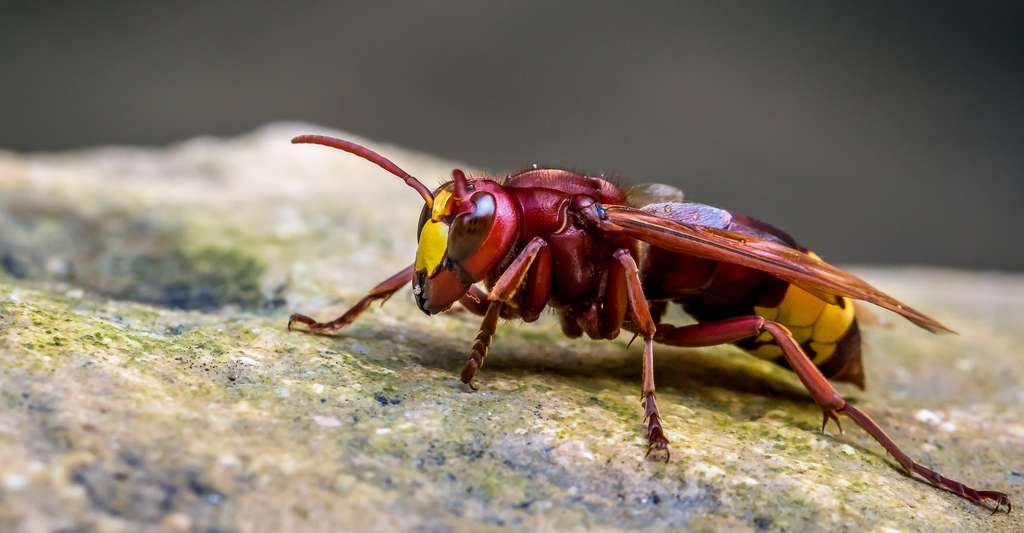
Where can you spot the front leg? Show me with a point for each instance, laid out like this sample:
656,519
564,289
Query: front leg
481,344
512,278
504,290
382,291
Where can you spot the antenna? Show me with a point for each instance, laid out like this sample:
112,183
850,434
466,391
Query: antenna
372,157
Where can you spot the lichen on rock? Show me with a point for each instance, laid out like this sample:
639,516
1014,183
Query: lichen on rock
147,379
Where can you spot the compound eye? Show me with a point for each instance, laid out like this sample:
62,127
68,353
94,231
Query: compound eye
469,229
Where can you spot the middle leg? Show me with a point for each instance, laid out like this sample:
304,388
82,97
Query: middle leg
644,325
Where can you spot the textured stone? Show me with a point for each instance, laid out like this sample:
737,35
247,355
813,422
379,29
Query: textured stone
147,380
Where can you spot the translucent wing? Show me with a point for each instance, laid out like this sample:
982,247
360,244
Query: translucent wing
789,264
691,214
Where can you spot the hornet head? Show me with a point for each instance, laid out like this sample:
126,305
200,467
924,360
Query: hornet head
467,226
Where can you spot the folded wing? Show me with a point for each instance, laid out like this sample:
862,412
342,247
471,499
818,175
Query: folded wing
792,265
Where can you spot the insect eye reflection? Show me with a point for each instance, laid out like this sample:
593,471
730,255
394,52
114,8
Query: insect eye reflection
468,230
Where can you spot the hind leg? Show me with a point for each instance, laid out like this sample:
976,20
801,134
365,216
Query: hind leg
826,396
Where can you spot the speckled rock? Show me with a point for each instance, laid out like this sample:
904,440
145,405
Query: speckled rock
147,380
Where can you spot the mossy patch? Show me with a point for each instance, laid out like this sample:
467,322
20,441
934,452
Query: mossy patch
130,256
208,278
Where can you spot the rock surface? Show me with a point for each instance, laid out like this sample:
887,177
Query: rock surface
147,380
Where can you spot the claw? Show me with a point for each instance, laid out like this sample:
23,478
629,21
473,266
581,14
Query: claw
630,343
469,383
655,434
313,325
656,441
468,373
830,415
999,498
977,497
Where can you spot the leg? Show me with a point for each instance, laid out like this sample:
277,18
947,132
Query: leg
504,290
383,291
645,326
475,301
830,401
602,319
570,325
513,276
616,298
536,290
481,344
588,317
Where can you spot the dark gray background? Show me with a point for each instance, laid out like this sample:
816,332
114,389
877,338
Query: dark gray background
874,132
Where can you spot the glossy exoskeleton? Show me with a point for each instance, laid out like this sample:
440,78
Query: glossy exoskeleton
547,237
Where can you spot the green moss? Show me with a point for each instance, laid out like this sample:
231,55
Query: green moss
133,256
207,278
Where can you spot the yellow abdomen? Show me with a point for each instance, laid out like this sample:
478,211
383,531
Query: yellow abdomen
816,325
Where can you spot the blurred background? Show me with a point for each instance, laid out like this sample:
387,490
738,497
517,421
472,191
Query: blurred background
875,133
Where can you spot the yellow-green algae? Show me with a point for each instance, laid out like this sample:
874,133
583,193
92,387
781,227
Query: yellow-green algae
117,415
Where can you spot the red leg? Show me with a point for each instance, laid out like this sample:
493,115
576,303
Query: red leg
830,401
512,278
475,301
567,319
536,291
481,344
616,300
645,326
602,319
383,291
505,289
588,317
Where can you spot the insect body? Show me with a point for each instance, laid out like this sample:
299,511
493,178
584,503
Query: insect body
550,237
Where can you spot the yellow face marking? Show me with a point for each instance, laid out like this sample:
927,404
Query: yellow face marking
433,241
433,244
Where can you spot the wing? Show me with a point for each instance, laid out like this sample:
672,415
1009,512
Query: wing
691,214
789,264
